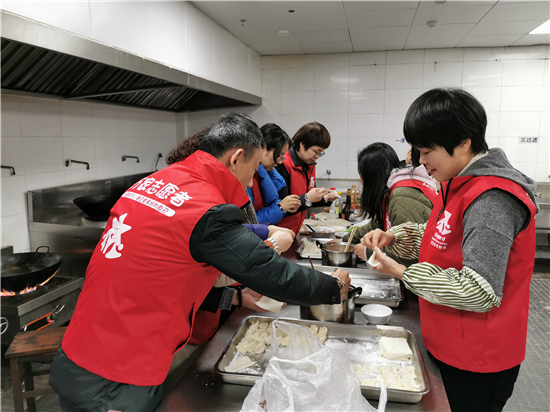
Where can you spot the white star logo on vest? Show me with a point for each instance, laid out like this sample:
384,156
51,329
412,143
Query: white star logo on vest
113,238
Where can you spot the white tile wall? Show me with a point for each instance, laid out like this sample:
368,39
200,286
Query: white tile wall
511,83
39,134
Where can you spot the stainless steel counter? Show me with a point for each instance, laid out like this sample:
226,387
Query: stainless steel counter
201,389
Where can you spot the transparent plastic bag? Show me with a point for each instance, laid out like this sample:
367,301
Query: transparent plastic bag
307,376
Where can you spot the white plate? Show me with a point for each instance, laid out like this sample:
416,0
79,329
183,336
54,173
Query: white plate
340,234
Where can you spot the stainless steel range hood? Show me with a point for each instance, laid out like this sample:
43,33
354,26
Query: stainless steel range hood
44,61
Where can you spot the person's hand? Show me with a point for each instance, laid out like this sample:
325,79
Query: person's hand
343,276
284,240
316,194
331,197
273,229
250,298
377,238
291,202
360,250
387,265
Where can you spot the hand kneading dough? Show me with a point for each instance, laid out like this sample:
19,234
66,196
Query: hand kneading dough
395,349
270,304
239,364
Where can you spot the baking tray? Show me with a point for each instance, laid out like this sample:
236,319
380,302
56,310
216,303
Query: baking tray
352,341
377,287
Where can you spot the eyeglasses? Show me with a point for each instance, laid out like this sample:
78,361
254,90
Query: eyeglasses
280,160
317,154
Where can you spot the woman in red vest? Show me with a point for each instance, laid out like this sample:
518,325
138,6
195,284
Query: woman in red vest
476,253
298,169
391,195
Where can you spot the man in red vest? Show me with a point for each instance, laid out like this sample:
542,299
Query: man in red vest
168,238
476,253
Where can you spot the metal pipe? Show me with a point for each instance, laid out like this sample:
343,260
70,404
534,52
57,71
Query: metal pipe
159,156
68,162
128,157
12,169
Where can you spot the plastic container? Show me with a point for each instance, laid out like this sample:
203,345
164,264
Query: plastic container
333,204
354,197
338,205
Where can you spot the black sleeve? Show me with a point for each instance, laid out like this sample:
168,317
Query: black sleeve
220,240
211,302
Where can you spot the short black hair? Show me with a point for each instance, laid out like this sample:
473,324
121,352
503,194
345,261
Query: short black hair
446,117
311,134
233,130
275,139
375,163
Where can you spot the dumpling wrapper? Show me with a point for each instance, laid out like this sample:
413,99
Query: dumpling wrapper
395,349
239,364
372,261
269,304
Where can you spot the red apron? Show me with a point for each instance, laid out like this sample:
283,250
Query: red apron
143,287
477,342
427,190
300,183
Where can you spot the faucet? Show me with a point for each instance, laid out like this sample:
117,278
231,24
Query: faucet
124,157
68,162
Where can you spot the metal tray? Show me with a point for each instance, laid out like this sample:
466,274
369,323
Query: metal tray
351,337
377,287
306,255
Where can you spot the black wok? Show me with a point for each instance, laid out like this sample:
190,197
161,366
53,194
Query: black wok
27,270
97,207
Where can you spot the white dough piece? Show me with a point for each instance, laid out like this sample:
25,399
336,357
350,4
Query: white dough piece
269,304
395,349
372,261
239,364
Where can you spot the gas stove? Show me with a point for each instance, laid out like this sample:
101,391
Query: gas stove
50,306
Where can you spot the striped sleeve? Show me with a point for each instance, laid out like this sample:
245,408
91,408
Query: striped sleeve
459,289
408,237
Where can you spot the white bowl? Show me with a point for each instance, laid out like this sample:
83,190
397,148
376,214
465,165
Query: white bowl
340,234
376,314
322,232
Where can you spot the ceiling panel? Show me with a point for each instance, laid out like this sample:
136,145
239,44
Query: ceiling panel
443,30
322,48
532,39
488,41
357,6
319,27
504,28
517,12
380,18
380,38
432,42
446,14
310,15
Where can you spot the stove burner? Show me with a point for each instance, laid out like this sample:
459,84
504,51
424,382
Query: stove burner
6,293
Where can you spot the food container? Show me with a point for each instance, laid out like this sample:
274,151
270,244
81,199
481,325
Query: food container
377,287
376,314
350,340
322,232
343,312
333,254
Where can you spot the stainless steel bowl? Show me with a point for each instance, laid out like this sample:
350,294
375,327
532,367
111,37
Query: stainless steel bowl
333,254
343,312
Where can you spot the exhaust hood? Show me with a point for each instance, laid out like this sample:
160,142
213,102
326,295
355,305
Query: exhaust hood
43,61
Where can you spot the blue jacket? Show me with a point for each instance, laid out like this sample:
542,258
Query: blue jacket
270,184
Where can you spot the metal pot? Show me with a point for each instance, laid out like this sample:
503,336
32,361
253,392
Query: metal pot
332,254
322,232
97,207
343,312
26,270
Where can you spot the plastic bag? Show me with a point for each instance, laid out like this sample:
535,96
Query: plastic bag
306,376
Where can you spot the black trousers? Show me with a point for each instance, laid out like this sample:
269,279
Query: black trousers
477,392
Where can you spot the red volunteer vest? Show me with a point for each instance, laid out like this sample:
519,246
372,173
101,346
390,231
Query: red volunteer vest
143,287
477,342
257,193
300,183
427,190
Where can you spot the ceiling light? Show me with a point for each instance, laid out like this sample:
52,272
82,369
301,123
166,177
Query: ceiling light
283,33
440,1
544,28
432,24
